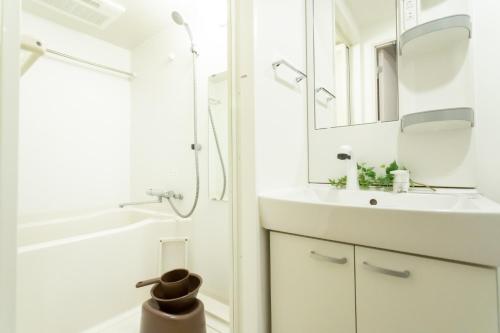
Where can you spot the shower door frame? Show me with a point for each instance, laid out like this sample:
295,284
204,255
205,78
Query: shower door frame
9,105
233,163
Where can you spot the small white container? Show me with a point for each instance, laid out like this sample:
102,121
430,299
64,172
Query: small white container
401,182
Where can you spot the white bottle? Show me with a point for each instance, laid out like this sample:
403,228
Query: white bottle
401,182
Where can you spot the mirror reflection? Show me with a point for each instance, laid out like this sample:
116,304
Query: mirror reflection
355,62
218,136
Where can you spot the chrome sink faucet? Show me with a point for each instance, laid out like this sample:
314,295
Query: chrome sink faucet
346,154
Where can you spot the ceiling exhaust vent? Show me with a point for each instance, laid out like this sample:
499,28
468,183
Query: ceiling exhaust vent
98,13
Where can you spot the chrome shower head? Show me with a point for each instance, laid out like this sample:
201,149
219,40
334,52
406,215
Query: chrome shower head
177,17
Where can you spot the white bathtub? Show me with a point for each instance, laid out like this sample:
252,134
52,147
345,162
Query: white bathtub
74,273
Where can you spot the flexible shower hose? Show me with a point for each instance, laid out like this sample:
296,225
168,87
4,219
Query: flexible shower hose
219,152
195,147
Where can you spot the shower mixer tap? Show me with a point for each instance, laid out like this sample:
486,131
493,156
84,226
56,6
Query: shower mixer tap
159,194
178,196
165,194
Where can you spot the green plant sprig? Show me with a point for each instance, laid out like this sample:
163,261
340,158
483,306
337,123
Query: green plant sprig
368,177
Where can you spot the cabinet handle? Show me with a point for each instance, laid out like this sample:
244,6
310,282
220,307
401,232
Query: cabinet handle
340,261
404,274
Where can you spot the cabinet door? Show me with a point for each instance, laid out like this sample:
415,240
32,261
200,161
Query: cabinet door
312,285
398,293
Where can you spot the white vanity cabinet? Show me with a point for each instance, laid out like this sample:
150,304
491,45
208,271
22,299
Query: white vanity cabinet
325,287
312,285
404,293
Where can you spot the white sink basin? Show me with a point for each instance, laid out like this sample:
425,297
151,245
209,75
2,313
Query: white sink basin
456,226
388,200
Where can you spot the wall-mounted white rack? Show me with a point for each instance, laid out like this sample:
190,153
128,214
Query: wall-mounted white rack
36,49
438,120
438,33
301,75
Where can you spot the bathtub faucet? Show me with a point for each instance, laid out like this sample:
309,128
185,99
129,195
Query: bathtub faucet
159,194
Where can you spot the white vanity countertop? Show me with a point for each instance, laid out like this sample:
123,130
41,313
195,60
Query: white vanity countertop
451,224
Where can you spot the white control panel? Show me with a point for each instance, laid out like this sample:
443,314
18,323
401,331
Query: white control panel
410,13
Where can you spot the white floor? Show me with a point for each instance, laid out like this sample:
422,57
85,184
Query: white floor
217,317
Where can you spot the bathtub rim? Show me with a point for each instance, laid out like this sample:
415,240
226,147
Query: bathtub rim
166,218
90,214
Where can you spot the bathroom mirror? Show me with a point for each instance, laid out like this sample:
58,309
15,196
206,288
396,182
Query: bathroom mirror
218,136
352,62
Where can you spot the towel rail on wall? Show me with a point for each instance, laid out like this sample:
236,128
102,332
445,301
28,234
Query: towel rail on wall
331,96
90,63
301,75
37,49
